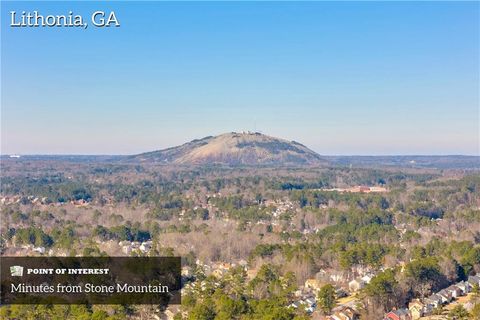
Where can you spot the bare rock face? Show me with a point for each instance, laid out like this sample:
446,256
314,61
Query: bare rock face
236,149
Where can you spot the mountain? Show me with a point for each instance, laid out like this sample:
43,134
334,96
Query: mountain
235,149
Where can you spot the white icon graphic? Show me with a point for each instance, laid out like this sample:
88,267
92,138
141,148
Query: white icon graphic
16,271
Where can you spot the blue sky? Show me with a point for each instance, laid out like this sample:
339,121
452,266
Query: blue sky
341,77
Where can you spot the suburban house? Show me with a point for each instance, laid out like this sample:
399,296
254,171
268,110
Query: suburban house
445,295
356,284
464,286
367,278
40,250
474,280
146,246
435,300
307,303
400,314
340,292
346,313
454,291
416,308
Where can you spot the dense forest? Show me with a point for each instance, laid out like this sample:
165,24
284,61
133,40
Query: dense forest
277,229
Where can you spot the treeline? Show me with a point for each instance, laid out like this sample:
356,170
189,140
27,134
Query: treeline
54,188
265,297
122,233
47,312
359,238
241,208
316,198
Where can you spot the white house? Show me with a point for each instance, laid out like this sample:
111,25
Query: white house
474,280
464,286
356,285
40,250
146,246
435,300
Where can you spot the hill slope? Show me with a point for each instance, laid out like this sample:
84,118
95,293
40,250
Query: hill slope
235,149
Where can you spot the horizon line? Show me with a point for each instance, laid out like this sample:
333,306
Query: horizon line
324,155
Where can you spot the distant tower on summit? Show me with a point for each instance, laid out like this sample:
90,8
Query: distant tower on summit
255,126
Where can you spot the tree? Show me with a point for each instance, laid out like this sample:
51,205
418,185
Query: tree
203,311
438,310
226,307
270,309
99,315
424,275
266,283
471,259
383,289
476,311
326,298
458,313
475,293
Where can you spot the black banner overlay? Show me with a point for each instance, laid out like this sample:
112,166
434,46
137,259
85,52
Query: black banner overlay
90,280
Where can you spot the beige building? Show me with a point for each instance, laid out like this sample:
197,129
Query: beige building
416,309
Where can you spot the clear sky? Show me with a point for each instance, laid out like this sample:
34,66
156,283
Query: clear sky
342,78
